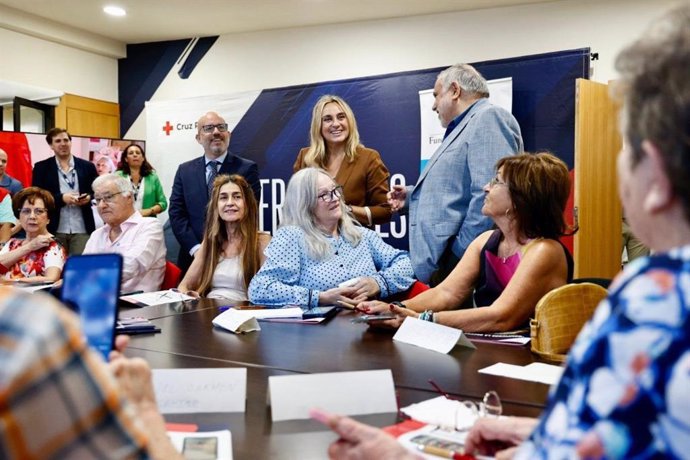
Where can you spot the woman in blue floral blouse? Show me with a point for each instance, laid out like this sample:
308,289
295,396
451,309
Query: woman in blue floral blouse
625,391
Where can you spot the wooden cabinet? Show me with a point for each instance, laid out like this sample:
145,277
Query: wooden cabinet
83,116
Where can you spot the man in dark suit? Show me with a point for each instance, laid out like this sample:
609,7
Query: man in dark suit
69,179
194,179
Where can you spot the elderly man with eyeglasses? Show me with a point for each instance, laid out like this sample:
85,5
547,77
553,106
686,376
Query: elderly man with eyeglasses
138,239
194,180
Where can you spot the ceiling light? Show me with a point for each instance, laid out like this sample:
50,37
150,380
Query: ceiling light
114,10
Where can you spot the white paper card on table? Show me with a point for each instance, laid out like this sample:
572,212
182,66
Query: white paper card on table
432,336
237,321
266,313
348,393
203,444
156,298
188,391
535,372
441,411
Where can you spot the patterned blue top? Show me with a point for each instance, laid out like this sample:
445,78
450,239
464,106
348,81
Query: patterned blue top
627,377
290,277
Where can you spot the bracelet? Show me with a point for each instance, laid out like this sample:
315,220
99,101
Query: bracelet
428,315
368,211
398,304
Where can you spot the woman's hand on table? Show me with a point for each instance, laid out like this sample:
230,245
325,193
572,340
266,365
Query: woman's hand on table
366,286
340,294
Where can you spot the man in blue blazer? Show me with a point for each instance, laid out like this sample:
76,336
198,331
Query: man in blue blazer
69,179
194,179
445,205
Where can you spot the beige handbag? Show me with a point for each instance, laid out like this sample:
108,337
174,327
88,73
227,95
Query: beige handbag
559,316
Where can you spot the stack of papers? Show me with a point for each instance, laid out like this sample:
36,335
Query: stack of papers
146,299
136,325
441,411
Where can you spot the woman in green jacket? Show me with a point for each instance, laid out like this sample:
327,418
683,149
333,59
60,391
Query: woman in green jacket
149,198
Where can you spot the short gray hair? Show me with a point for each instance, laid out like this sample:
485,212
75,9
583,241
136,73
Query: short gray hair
467,78
301,199
123,184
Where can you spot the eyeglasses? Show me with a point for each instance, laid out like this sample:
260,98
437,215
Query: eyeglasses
38,212
496,181
221,127
107,199
332,195
467,412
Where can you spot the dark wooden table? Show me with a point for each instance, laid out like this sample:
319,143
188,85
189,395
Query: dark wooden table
189,340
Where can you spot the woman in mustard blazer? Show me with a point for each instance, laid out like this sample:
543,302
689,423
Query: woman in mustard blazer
335,147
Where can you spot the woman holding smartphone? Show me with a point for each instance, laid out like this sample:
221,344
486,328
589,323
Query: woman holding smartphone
232,249
38,257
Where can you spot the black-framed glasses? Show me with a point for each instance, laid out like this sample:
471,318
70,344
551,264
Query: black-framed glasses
331,195
496,181
221,127
36,212
107,199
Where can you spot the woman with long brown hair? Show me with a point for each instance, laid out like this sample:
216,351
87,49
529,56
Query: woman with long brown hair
232,249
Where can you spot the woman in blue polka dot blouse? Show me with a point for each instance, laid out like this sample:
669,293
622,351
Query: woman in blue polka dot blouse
320,247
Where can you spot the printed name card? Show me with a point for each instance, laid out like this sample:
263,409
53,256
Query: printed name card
349,393
186,391
432,336
237,321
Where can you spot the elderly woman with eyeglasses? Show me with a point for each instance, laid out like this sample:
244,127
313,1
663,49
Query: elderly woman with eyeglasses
505,271
320,256
38,257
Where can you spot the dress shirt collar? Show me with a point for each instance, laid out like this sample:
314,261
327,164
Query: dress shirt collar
71,162
134,219
456,121
220,159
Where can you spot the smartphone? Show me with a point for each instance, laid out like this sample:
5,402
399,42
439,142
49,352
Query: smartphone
200,448
82,196
432,441
319,312
370,318
91,287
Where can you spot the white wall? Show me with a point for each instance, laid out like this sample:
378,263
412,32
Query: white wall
248,61
38,62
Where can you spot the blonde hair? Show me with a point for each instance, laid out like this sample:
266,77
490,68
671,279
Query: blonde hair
316,154
301,199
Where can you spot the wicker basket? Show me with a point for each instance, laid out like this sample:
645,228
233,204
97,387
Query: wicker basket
559,316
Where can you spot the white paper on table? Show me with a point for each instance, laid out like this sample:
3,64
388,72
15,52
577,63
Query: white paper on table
156,298
237,321
431,336
535,372
223,443
348,393
189,391
441,411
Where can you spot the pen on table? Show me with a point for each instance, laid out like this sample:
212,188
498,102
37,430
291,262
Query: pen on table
446,453
131,293
439,389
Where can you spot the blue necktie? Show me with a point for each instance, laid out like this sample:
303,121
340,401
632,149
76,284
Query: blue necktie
213,166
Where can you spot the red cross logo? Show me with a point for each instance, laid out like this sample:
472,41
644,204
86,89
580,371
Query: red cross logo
167,128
